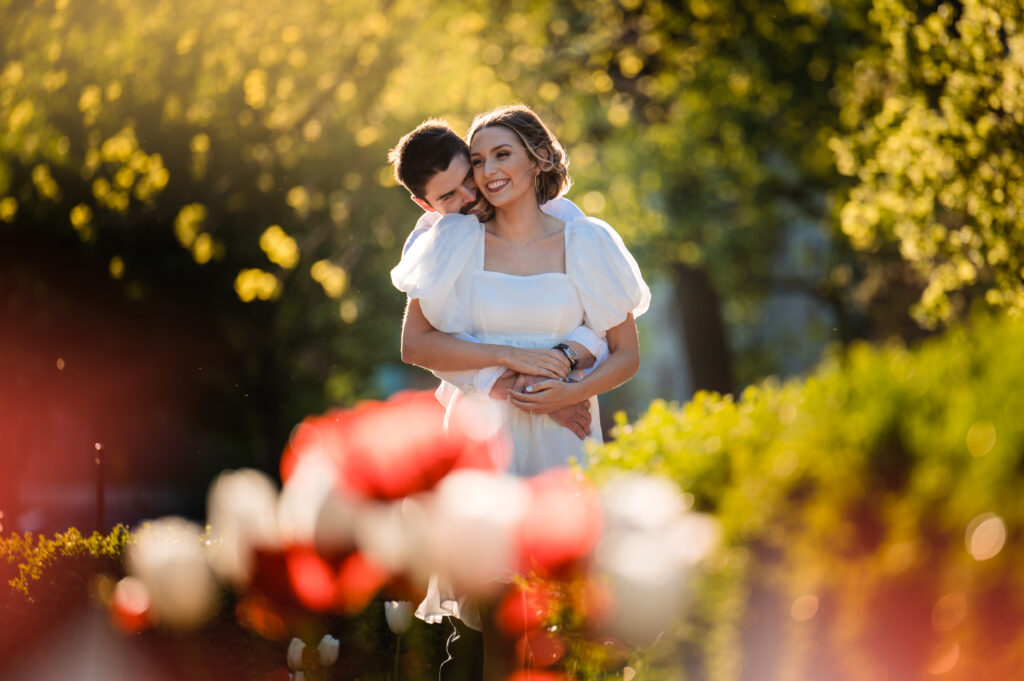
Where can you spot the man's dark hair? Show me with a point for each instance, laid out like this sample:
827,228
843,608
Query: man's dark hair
425,151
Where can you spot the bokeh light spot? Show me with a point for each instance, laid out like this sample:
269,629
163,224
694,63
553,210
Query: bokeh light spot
949,611
981,438
985,536
804,608
945,660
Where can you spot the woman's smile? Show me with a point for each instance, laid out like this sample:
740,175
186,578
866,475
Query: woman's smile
501,165
495,186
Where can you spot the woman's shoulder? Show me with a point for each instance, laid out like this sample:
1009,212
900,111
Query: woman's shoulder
604,272
590,229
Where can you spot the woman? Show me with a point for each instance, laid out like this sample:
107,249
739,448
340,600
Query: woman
526,279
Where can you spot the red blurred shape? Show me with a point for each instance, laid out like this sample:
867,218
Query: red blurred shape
130,605
388,450
270,576
279,674
539,648
537,675
311,578
258,614
523,609
562,523
129,621
359,580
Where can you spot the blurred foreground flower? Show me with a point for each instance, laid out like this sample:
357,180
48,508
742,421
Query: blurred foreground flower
383,498
167,559
388,450
562,522
475,517
648,552
241,510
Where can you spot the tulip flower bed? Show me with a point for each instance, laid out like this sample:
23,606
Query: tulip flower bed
377,502
858,524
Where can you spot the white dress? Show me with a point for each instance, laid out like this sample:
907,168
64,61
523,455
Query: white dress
444,270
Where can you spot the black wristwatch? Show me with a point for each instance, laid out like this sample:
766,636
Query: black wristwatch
570,354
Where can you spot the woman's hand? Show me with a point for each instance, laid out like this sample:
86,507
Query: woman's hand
546,396
537,362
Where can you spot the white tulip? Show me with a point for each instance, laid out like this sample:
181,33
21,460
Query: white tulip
632,501
475,514
167,557
396,535
648,552
242,516
328,650
295,648
399,616
313,511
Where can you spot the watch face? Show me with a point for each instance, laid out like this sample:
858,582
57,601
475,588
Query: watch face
570,353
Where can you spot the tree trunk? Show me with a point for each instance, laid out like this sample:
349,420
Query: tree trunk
707,349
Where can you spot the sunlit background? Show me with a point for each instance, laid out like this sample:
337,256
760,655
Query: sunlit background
197,222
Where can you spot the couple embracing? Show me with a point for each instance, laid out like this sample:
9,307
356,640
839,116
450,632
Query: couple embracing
513,293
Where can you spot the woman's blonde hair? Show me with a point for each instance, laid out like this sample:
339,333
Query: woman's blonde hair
539,143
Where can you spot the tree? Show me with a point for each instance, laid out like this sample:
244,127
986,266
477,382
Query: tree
935,120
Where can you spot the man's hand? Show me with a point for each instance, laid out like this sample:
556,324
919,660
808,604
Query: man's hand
575,417
505,383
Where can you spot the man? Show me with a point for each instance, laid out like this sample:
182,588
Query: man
432,163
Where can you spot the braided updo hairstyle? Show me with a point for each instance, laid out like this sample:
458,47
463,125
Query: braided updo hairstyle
540,144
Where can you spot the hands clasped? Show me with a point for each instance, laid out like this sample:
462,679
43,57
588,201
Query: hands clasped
534,395
543,362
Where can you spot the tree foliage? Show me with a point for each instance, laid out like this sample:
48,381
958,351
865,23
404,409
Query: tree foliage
935,121
231,159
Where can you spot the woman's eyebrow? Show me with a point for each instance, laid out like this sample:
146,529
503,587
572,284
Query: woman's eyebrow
477,153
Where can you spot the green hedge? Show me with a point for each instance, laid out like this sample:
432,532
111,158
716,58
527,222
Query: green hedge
856,487
43,581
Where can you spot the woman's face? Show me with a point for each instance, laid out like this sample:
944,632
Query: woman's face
502,168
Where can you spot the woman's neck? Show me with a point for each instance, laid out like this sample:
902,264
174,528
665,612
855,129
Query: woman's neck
519,221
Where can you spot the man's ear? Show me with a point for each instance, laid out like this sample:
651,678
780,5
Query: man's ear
423,204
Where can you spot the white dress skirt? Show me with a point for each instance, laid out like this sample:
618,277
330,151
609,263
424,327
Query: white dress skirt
601,285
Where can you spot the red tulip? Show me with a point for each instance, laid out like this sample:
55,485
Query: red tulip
562,523
523,609
540,648
537,675
388,450
359,580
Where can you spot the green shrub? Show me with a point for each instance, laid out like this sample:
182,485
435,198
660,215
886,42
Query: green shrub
62,563
43,580
851,503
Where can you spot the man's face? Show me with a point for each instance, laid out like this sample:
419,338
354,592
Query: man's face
452,190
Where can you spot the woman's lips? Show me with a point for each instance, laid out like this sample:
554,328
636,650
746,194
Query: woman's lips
496,186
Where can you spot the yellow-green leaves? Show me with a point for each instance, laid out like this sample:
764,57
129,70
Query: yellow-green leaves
936,168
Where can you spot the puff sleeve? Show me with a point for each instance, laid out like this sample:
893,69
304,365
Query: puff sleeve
437,271
605,274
